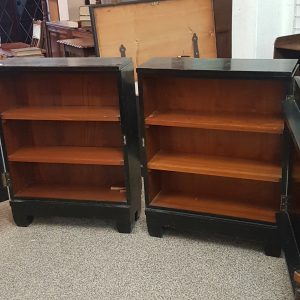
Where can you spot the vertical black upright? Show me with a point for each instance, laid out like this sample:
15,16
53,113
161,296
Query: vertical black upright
289,218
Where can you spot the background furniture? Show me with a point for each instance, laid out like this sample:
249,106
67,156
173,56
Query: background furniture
211,145
5,49
60,31
287,46
50,10
71,142
37,34
78,47
211,20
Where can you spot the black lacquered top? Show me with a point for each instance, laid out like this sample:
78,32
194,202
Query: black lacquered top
110,64
223,67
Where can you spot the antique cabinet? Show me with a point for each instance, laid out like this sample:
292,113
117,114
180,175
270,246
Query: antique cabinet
69,139
212,137
63,30
287,46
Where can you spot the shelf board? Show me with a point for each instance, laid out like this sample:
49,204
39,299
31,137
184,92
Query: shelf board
215,166
224,207
69,155
72,192
63,113
218,121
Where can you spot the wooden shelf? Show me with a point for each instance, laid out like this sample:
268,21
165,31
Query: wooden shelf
231,208
215,166
69,155
72,192
63,113
219,121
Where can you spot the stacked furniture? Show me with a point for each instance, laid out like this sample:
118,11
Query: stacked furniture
212,137
70,140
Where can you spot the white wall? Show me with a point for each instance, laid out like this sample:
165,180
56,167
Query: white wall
256,25
63,10
74,8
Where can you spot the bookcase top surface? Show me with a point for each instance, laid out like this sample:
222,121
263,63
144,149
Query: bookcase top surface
224,67
93,63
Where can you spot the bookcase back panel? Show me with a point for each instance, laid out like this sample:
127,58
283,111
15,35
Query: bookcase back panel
67,89
227,188
213,95
25,175
233,197
7,91
256,146
74,134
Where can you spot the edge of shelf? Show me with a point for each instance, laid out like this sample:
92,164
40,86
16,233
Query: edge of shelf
215,166
216,121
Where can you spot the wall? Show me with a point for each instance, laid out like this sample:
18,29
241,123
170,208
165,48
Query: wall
63,10
74,8
257,23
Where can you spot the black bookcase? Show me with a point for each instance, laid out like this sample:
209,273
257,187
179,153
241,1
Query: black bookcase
69,139
212,145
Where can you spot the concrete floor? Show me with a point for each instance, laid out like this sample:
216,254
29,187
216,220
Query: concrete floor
58,258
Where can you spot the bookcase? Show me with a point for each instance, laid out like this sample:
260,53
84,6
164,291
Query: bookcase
212,145
69,139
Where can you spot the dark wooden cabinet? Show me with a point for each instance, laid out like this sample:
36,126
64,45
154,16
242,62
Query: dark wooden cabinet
70,139
212,139
56,31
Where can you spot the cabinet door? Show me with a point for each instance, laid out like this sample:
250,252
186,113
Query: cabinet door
289,217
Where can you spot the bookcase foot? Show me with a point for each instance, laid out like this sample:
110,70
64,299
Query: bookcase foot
124,226
273,248
22,220
137,215
155,230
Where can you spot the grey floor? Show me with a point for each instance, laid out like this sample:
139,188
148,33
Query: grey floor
61,258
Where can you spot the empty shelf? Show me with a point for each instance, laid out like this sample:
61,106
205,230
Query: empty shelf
215,166
69,155
63,113
72,192
218,121
214,206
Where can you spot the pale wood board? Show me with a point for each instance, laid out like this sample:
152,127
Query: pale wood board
162,29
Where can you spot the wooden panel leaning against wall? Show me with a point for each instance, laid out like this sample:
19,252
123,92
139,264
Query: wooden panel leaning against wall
115,25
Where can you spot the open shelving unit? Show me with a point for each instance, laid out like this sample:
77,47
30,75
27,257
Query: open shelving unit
212,140
67,142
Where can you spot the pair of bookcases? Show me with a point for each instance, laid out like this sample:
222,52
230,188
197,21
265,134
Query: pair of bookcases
205,143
